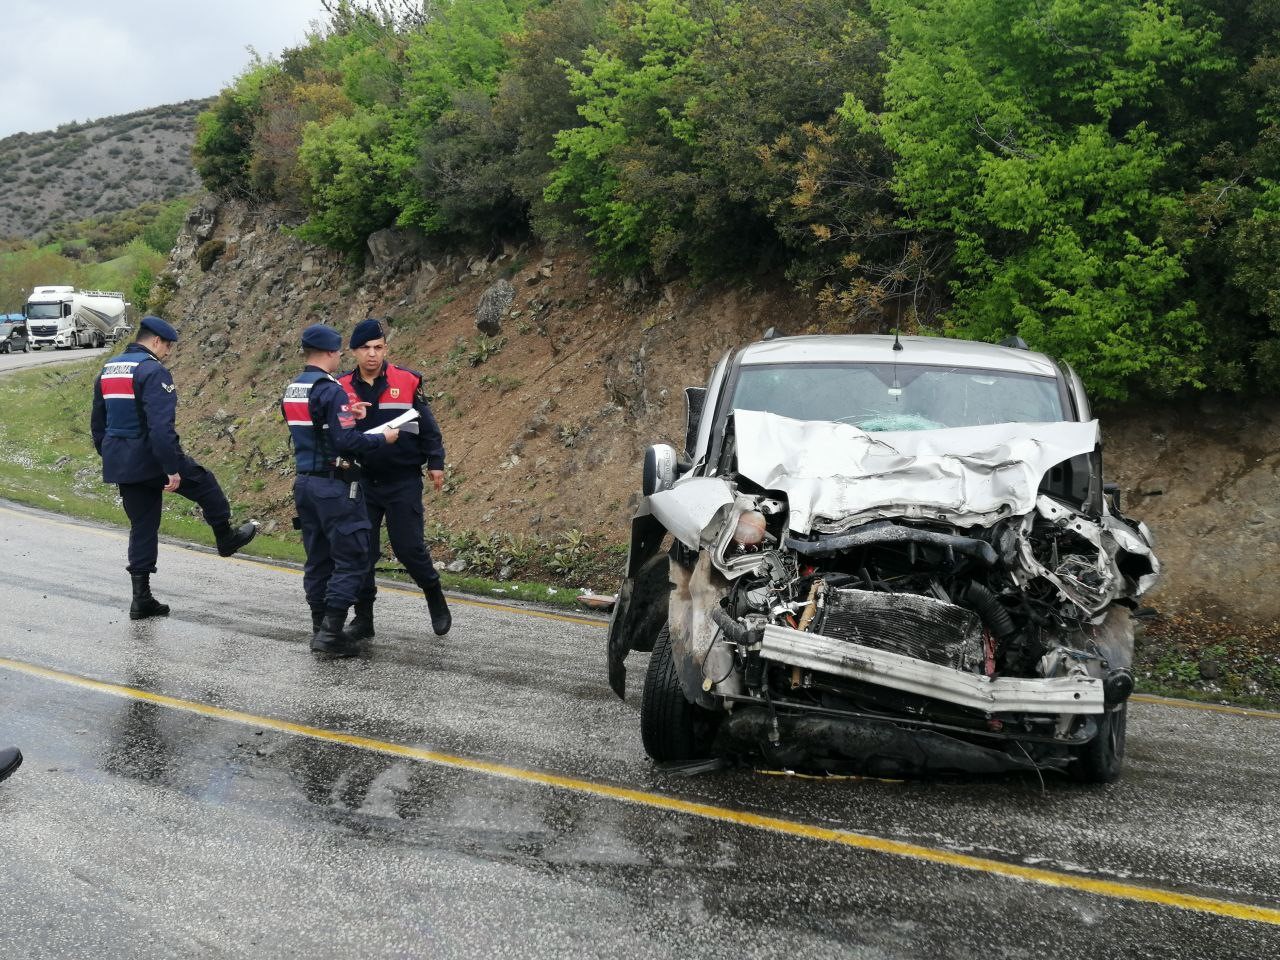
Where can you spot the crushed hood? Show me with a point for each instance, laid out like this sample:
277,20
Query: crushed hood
962,475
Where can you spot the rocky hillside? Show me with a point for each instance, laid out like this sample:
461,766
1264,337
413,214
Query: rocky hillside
546,418
82,170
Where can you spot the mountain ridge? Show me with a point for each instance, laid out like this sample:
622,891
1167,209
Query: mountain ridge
83,170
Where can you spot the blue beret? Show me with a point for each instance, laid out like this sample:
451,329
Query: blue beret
365,331
319,337
160,329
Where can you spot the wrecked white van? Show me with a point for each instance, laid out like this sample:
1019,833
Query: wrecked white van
883,555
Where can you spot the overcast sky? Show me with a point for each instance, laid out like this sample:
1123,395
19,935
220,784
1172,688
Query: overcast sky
78,60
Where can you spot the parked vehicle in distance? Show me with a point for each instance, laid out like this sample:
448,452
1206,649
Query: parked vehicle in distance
63,317
13,336
887,556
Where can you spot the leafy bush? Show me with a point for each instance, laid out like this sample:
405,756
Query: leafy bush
224,133
1018,132
162,232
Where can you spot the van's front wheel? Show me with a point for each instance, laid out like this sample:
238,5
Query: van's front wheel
1102,758
673,729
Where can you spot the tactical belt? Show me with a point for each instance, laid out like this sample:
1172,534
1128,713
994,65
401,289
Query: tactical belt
345,474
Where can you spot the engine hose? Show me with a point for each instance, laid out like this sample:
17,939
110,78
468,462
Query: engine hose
991,610
734,631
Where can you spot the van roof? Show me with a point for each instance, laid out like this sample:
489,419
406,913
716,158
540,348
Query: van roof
872,348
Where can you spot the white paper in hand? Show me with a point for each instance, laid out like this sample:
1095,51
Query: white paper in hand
407,417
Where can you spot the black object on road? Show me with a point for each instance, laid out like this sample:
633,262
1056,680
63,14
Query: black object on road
10,760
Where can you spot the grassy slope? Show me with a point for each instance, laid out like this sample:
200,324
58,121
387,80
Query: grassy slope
47,460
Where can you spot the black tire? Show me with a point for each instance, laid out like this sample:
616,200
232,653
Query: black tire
1102,758
673,729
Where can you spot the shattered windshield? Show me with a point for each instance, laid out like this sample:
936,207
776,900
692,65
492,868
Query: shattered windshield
889,396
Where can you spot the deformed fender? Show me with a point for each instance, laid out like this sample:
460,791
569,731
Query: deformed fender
703,659
641,608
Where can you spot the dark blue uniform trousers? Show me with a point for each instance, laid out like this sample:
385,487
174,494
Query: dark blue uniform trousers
399,502
335,533
143,502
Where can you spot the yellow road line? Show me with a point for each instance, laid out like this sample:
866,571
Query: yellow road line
1209,707
844,838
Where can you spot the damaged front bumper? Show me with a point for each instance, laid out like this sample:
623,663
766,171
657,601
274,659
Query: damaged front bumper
1072,694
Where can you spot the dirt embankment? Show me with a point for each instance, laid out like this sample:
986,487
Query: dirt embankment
546,422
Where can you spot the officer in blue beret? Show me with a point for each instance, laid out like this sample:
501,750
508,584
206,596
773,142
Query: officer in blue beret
392,478
326,488
134,406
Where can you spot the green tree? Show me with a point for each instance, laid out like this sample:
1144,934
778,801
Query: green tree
1019,130
224,133
616,170
535,102
350,193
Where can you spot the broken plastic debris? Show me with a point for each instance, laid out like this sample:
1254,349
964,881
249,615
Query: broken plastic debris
597,601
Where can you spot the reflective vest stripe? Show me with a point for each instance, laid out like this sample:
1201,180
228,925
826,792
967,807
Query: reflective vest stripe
117,388
124,413
311,449
297,413
397,395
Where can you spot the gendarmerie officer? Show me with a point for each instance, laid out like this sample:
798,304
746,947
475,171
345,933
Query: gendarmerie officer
134,405
326,491
392,477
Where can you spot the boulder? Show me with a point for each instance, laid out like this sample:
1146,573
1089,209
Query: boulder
493,306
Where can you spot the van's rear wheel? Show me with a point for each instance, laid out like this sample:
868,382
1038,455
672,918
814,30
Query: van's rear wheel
673,729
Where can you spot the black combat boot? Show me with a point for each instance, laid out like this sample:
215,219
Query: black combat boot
317,615
144,604
361,626
230,540
441,620
10,760
331,640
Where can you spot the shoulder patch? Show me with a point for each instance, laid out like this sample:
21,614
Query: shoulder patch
169,386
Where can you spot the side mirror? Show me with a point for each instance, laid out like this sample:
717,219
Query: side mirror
660,465
695,398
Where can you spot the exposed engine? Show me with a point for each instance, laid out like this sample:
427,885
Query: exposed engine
1020,628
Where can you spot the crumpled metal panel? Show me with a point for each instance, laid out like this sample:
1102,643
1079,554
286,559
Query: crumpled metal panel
963,475
689,508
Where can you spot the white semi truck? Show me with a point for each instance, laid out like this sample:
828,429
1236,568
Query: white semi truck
63,317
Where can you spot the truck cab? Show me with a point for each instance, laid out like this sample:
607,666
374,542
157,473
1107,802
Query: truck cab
63,317
46,309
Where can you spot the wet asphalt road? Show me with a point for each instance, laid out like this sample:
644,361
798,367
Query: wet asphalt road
139,829
43,357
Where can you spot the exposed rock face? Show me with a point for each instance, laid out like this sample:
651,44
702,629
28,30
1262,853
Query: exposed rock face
395,249
547,432
201,220
493,306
